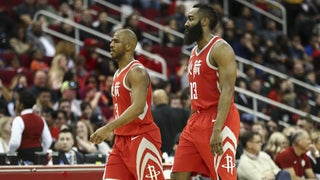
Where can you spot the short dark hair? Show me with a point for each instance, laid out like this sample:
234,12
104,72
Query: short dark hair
62,112
207,11
247,136
27,99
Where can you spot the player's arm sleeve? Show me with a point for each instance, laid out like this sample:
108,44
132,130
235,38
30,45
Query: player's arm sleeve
16,134
46,137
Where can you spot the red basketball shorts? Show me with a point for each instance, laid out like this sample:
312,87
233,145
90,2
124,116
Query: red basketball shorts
135,157
194,154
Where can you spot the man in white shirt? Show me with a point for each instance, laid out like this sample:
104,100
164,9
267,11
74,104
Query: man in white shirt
29,132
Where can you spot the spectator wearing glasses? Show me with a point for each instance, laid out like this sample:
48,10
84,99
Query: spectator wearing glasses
256,164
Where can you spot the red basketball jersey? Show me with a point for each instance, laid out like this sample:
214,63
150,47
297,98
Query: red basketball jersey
121,95
203,78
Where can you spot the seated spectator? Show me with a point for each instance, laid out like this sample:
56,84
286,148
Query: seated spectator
255,164
67,49
294,158
260,128
61,119
313,153
86,110
18,41
46,6
147,61
83,132
5,132
65,145
88,51
93,96
170,39
315,110
29,133
306,123
40,81
69,92
101,24
37,61
66,105
44,99
275,144
50,117
40,40
58,68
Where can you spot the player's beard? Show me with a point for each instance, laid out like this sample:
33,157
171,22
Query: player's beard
193,34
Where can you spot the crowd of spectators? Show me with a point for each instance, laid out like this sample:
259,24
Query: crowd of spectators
72,87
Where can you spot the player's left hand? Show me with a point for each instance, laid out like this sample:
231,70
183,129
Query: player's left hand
100,135
216,143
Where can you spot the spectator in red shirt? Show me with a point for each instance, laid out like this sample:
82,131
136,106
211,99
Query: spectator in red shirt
294,158
89,53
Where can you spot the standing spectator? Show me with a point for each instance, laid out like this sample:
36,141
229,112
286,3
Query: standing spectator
313,153
29,133
5,133
209,140
294,158
171,121
256,164
138,140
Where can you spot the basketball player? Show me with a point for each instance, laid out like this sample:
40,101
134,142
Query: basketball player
208,143
136,151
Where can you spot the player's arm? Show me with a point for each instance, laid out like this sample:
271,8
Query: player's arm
138,80
223,57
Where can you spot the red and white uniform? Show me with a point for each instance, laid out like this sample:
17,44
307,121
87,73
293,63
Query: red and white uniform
194,144
136,151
